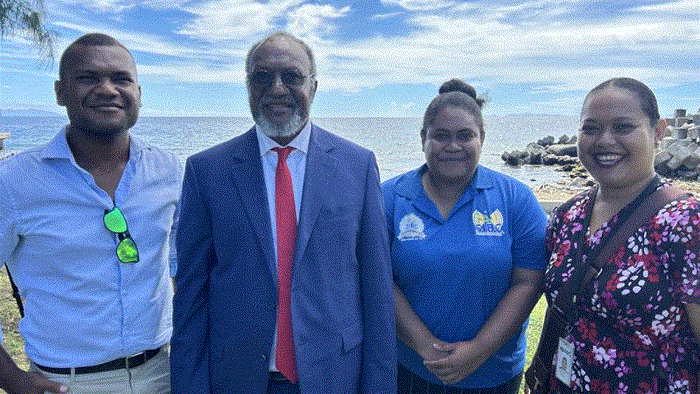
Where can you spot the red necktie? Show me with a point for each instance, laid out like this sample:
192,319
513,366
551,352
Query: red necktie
286,238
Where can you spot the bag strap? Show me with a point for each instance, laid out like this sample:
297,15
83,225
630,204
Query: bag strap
15,293
646,207
651,206
643,209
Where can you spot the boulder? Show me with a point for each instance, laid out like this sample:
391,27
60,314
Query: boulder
687,175
673,164
663,169
534,153
549,159
667,142
566,160
564,139
679,155
675,148
692,161
680,133
568,168
562,150
515,158
661,157
546,141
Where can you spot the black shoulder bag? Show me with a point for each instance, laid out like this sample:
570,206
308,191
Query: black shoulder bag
558,315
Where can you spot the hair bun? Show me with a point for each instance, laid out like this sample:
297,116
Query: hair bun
457,85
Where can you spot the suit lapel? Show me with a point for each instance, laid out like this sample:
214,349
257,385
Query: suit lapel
248,175
318,181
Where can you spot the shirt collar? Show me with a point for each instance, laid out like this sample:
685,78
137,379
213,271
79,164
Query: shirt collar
300,142
58,147
412,185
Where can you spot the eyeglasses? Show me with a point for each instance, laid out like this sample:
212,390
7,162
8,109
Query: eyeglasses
126,249
266,78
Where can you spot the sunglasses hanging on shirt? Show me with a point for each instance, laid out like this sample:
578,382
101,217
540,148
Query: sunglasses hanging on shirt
126,249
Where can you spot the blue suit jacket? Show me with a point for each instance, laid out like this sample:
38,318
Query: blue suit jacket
225,304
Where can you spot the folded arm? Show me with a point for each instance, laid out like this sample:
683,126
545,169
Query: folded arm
412,331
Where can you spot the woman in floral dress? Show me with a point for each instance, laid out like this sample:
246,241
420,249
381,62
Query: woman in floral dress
636,328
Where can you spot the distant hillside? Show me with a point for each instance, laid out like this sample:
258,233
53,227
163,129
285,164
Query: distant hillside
27,112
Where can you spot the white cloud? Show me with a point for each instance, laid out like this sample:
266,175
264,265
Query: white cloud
103,6
544,43
220,20
312,20
419,5
551,7
382,17
477,45
152,44
686,8
470,40
247,20
118,6
194,73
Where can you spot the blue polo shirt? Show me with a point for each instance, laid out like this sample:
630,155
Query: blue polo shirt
454,272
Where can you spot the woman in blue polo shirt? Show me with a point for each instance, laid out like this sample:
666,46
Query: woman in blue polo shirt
468,251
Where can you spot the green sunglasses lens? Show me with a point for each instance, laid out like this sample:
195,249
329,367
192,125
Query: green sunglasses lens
127,252
114,221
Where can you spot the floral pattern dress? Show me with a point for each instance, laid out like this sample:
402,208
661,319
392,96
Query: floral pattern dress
632,334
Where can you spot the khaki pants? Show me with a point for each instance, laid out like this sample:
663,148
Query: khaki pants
152,377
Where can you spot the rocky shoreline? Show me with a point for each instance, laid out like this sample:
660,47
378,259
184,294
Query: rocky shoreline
677,159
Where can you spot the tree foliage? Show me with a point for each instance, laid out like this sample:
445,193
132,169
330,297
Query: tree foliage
26,18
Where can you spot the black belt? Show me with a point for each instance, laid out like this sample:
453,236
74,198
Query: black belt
120,363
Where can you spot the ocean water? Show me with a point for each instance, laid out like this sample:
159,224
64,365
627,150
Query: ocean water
395,141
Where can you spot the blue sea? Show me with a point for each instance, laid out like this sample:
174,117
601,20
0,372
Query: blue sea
395,141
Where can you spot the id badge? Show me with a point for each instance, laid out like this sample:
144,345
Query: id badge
565,359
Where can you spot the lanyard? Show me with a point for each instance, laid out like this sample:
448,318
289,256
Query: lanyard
568,299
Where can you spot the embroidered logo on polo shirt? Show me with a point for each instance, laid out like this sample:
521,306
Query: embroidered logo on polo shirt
411,227
485,224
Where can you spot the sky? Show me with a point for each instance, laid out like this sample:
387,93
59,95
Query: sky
379,57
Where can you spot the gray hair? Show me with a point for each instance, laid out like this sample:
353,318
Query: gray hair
281,35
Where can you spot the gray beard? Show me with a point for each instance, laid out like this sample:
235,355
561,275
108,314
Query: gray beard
273,131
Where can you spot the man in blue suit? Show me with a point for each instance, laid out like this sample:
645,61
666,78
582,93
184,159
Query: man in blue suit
284,280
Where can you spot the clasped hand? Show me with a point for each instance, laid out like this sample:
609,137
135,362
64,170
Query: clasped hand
36,383
459,360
